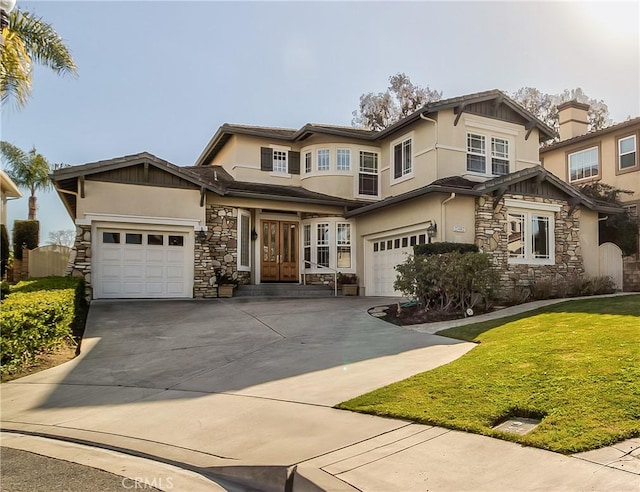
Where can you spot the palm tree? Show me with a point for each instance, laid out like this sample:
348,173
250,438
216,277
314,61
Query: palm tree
29,40
27,169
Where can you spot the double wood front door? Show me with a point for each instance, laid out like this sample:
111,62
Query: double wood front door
279,251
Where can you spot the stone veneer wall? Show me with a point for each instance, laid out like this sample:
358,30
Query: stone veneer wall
219,253
491,237
80,258
631,274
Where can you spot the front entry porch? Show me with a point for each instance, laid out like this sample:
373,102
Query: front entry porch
279,251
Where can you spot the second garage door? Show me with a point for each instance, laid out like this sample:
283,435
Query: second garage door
384,254
142,264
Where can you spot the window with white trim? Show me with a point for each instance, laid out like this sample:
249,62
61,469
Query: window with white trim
476,153
279,161
530,237
322,245
323,160
499,156
583,164
307,162
343,160
306,244
368,175
402,159
244,240
627,154
632,210
343,245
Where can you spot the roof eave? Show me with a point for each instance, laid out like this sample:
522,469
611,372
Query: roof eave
273,197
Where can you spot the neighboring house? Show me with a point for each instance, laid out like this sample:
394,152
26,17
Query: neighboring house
276,205
8,189
609,155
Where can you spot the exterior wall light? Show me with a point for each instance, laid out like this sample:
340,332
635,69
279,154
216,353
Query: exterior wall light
432,230
201,235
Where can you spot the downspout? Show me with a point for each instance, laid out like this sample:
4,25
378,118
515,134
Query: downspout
443,216
435,145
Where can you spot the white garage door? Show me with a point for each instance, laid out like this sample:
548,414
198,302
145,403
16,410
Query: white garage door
383,255
142,264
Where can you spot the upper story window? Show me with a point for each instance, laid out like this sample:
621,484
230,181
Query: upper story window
368,175
402,161
279,161
307,162
476,153
627,153
323,160
343,160
583,164
632,210
499,156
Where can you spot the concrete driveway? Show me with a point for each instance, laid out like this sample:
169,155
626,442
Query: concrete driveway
244,389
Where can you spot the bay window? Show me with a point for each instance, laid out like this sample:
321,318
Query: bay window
343,160
328,242
322,245
343,245
323,160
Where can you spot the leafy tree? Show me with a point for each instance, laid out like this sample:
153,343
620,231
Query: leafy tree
29,40
402,97
64,237
620,229
27,169
545,106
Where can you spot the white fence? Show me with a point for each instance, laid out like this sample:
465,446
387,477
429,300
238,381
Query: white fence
48,260
611,263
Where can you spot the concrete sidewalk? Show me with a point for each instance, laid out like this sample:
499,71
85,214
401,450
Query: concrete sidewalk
243,389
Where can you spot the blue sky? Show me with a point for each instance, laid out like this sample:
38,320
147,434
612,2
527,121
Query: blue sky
162,76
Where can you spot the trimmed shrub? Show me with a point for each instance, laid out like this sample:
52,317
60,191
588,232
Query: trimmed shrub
448,282
442,248
38,316
25,232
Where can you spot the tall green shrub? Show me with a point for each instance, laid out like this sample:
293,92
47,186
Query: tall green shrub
25,232
448,282
4,249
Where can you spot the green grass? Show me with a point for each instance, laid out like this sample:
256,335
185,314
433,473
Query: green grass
576,363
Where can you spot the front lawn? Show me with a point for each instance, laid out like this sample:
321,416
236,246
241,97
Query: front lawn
576,364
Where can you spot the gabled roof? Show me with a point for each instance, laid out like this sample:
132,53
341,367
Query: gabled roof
592,135
211,178
462,186
226,131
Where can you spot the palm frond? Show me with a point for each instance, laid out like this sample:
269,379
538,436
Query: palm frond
15,69
42,42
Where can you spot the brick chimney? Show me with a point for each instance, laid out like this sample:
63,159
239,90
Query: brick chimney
573,118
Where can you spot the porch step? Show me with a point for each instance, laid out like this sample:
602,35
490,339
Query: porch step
283,290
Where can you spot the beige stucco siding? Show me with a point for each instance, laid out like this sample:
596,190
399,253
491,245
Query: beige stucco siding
557,161
142,201
458,213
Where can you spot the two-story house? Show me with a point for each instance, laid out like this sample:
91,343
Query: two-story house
282,205
609,155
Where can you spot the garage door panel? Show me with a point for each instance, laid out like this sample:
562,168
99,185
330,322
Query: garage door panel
383,255
133,255
144,264
155,255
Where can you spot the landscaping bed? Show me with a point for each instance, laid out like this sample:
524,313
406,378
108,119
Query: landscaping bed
575,366
42,322
414,314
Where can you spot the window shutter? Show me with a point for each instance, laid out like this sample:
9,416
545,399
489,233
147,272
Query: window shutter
266,159
294,162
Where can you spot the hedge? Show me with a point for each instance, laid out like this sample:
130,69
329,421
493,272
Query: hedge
38,316
4,249
25,232
442,248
